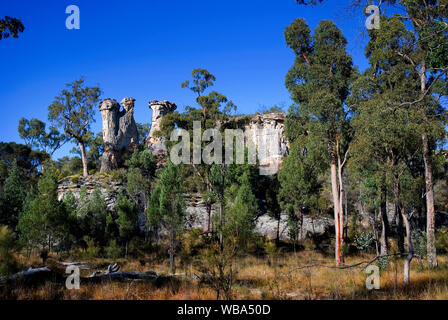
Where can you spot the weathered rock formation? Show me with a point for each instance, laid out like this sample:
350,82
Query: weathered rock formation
267,133
119,131
196,211
155,143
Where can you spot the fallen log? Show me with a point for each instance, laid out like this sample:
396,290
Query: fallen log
34,276
124,276
42,275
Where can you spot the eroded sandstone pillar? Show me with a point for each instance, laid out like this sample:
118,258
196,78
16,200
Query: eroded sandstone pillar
120,132
159,109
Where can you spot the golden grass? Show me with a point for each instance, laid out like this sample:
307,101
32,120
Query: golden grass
262,278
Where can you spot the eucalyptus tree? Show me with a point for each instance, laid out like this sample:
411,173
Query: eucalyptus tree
427,22
35,135
319,83
299,183
73,110
215,110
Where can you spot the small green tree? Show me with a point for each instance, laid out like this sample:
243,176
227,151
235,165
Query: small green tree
167,207
43,221
234,230
127,219
12,197
92,211
73,110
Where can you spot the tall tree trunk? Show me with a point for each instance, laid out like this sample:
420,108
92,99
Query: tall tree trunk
277,239
82,147
300,215
400,218
208,210
171,251
410,255
384,225
341,199
430,212
336,208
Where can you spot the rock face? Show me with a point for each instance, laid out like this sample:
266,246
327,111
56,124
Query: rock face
109,189
196,212
267,133
159,108
119,131
265,225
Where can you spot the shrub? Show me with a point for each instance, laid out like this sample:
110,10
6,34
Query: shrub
364,241
419,243
91,251
113,251
442,240
8,263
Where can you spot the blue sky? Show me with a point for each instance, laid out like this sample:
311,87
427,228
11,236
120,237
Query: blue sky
145,48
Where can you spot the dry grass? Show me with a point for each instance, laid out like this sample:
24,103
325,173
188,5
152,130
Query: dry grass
262,278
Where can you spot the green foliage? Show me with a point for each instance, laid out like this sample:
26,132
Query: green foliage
294,225
383,263
73,110
43,220
113,251
127,220
364,241
167,207
442,240
27,160
201,78
239,215
10,27
8,263
92,213
95,147
91,251
35,135
12,197
419,243
143,131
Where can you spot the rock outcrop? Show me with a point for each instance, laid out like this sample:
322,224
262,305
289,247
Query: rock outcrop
155,143
267,133
195,209
119,131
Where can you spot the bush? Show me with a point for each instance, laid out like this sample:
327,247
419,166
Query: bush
442,240
91,251
364,241
419,243
8,263
113,251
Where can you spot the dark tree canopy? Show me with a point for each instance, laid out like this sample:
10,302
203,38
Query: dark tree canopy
10,27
